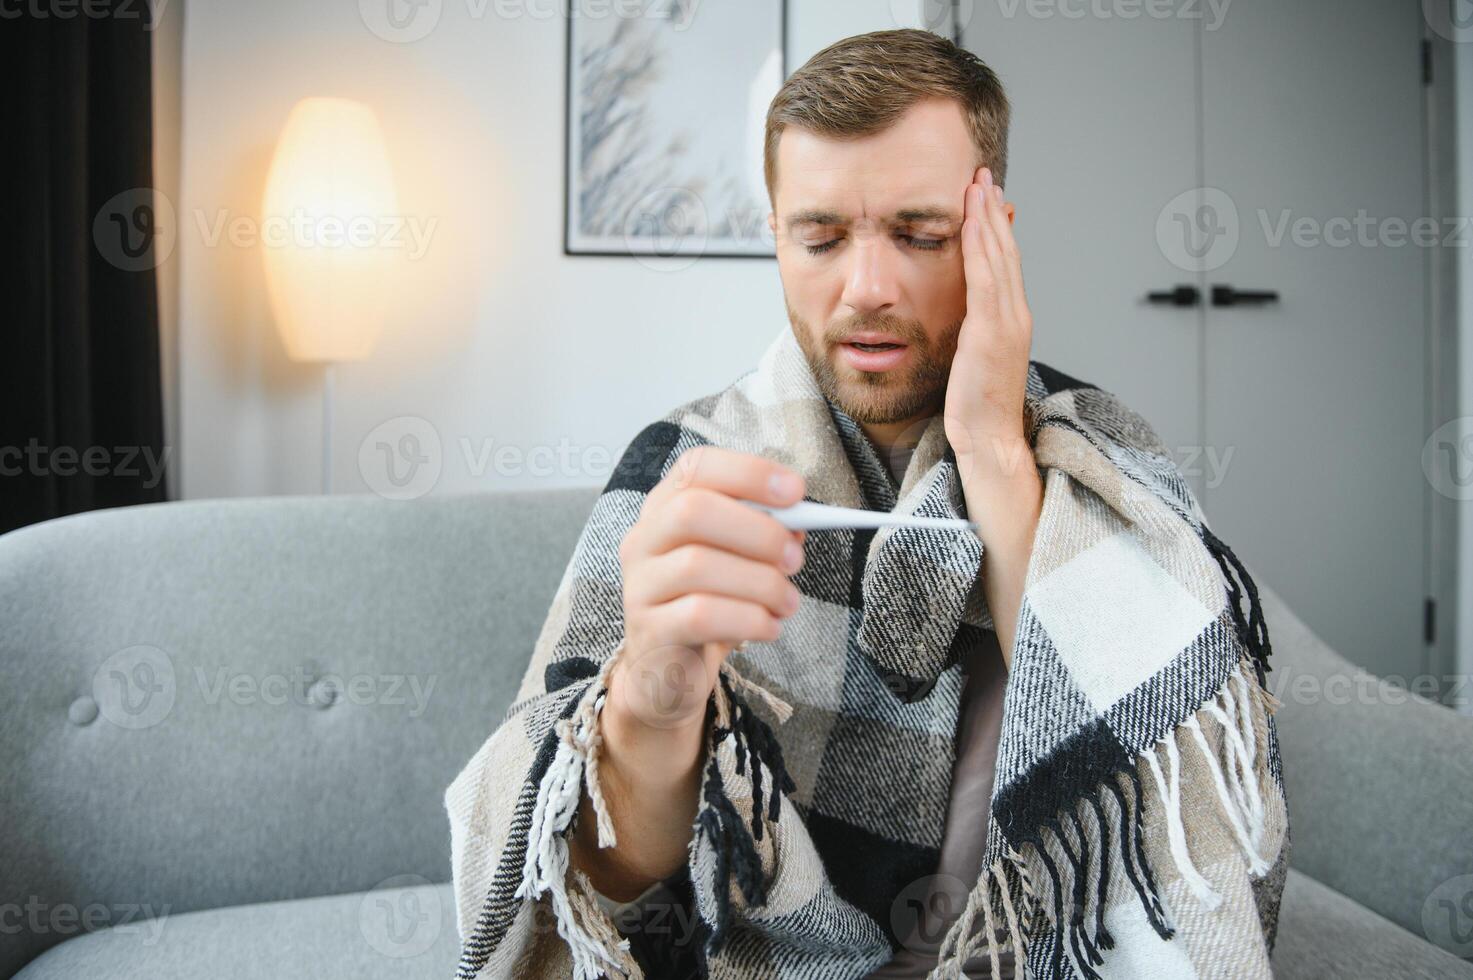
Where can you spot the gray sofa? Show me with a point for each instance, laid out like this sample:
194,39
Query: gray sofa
229,725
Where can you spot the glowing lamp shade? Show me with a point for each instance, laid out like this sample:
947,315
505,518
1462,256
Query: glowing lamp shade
326,218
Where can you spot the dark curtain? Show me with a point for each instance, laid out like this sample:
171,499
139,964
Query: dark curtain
81,405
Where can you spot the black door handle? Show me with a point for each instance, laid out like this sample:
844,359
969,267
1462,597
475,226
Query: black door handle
1180,296
1223,295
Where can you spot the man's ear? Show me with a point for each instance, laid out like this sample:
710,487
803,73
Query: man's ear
772,223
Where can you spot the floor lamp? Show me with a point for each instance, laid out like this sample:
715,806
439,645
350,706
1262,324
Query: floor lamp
329,200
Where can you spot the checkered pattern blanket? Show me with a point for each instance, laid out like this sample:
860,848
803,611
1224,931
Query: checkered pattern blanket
1137,825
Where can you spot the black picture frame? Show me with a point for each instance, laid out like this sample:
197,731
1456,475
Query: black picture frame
783,28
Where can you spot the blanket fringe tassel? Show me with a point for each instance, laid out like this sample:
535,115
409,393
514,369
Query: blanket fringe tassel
597,949
1252,628
1065,846
720,825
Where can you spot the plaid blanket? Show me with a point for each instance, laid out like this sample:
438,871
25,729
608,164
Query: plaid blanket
1137,824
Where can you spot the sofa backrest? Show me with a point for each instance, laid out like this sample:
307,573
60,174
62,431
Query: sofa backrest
217,702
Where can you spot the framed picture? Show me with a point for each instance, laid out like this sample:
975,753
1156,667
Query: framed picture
667,101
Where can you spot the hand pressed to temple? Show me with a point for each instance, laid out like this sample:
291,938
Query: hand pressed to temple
984,404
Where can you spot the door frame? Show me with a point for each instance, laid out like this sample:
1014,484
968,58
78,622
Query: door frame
1441,517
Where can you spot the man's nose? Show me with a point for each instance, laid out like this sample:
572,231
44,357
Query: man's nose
873,281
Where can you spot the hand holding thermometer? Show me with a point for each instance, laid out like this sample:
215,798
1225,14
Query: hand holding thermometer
809,516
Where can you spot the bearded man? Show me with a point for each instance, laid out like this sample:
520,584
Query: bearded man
1042,747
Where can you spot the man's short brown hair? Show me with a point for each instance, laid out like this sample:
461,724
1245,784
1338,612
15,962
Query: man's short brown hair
861,85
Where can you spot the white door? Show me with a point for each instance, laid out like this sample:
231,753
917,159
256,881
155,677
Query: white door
1151,151
1312,114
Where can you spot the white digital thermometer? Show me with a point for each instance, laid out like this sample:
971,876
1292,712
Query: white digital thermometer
809,516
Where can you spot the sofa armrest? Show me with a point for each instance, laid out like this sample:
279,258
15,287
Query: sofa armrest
1379,780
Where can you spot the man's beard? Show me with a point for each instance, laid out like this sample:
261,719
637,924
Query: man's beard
918,388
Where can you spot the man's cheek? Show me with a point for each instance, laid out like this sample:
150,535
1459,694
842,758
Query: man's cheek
942,296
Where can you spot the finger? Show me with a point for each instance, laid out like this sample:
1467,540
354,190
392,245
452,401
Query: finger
735,474
697,618
701,568
998,217
702,516
993,250
1012,279
978,270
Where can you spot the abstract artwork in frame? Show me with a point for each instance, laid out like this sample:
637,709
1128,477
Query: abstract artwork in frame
667,100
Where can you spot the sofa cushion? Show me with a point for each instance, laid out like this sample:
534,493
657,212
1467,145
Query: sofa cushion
396,933
409,932
1323,934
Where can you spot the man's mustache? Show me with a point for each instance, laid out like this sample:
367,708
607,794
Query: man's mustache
907,331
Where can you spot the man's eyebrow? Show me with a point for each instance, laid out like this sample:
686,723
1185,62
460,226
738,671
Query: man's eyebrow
927,214
816,216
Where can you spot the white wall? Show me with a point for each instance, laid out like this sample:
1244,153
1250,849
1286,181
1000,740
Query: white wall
496,337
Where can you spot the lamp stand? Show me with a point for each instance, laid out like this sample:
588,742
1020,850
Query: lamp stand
327,386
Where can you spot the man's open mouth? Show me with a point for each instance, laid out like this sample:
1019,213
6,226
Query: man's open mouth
873,352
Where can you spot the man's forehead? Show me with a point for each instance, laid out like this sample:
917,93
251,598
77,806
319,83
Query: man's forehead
925,158
875,177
